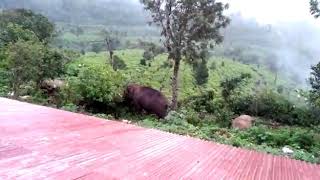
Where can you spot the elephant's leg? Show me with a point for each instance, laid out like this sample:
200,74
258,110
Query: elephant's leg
137,107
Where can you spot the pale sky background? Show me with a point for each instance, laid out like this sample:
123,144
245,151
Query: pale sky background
273,11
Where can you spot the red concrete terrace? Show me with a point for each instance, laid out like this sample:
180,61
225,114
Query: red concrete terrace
42,143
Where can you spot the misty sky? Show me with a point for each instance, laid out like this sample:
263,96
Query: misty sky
273,11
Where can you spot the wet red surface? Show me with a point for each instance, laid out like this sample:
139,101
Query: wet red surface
43,143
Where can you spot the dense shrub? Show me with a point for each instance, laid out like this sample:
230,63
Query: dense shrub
272,105
95,83
118,63
32,61
296,138
97,47
4,82
201,72
229,85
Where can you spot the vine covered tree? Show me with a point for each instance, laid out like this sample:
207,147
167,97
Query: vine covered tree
189,27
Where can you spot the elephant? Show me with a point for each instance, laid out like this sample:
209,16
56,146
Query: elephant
146,99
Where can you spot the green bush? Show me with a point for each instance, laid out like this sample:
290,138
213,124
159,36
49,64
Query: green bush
118,63
4,82
206,102
224,117
95,83
70,107
294,137
274,106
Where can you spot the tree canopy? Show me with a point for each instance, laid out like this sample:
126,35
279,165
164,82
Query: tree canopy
27,20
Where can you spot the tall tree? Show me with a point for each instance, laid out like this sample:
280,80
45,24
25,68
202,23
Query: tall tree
189,27
314,8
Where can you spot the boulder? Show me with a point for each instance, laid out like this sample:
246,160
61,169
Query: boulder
25,97
52,85
243,122
287,151
126,121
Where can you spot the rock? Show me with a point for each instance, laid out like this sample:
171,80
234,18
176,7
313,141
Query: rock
52,85
126,121
11,94
25,97
287,150
242,122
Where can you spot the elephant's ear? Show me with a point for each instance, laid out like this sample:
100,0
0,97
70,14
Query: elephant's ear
129,90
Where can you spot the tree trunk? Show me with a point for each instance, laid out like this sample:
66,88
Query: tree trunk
111,58
15,91
175,84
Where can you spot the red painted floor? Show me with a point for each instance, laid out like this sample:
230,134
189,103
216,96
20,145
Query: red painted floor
43,143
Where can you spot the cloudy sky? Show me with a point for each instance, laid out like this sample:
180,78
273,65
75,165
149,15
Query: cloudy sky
273,11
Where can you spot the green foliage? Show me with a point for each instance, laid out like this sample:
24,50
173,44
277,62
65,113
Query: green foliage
70,107
28,20
13,32
224,117
32,61
206,102
151,51
51,65
96,47
96,83
201,72
275,106
213,66
23,58
229,85
148,55
143,62
4,82
118,63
